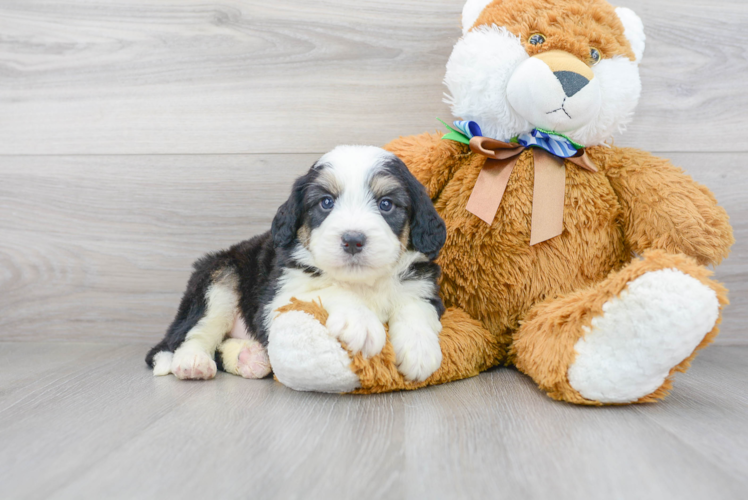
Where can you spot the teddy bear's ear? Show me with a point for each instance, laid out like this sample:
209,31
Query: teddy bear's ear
634,31
471,11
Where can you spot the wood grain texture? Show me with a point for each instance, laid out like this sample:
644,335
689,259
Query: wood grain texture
100,247
196,76
89,421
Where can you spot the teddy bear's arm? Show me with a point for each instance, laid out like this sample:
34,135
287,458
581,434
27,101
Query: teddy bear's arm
430,159
663,208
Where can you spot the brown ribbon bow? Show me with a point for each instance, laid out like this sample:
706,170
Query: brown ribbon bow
548,192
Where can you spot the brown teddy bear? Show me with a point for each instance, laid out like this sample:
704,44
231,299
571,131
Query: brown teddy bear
579,262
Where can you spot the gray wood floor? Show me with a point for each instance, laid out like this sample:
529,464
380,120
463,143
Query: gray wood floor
82,420
135,136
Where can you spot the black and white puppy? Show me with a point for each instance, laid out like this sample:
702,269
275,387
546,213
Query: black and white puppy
359,233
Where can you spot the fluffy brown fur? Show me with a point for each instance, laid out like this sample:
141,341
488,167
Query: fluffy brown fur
574,26
636,202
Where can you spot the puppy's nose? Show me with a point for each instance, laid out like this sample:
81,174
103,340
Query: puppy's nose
353,242
571,82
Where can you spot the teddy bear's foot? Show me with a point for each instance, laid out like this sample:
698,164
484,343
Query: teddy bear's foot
621,340
244,357
306,357
642,334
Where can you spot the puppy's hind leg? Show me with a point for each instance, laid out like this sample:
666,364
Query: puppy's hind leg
194,358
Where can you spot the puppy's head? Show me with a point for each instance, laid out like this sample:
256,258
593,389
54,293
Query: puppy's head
354,214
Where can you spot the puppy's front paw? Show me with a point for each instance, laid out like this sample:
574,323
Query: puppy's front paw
417,349
359,328
193,364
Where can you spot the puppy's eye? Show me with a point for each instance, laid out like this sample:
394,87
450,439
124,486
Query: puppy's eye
537,39
385,205
595,56
327,203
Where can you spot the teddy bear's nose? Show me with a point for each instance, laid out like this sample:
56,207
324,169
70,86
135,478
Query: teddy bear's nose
573,74
571,82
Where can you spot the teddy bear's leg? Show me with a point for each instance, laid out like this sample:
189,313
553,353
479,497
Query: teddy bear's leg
622,339
305,356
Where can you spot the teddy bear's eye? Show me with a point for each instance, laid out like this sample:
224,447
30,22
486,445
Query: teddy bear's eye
595,56
537,39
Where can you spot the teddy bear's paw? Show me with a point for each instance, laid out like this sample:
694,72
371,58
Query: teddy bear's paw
359,328
253,361
417,351
643,333
305,357
192,364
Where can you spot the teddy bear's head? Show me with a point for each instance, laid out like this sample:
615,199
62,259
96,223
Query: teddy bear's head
565,66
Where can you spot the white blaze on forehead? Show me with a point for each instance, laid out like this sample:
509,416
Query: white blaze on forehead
471,12
353,166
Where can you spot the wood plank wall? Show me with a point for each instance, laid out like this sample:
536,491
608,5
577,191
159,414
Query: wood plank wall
135,136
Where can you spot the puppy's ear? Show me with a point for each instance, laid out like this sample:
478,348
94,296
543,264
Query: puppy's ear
289,216
428,232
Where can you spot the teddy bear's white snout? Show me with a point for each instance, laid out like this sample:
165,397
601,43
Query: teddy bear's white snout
555,91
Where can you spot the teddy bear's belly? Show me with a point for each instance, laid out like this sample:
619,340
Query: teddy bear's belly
494,274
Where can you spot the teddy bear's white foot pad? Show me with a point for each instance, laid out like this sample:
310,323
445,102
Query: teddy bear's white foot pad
305,357
651,327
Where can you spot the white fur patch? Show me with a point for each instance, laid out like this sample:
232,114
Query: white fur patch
414,332
471,12
305,357
383,296
634,31
359,328
162,363
643,333
620,88
478,73
190,362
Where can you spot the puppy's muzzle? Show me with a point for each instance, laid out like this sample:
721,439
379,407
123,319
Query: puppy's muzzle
353,242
